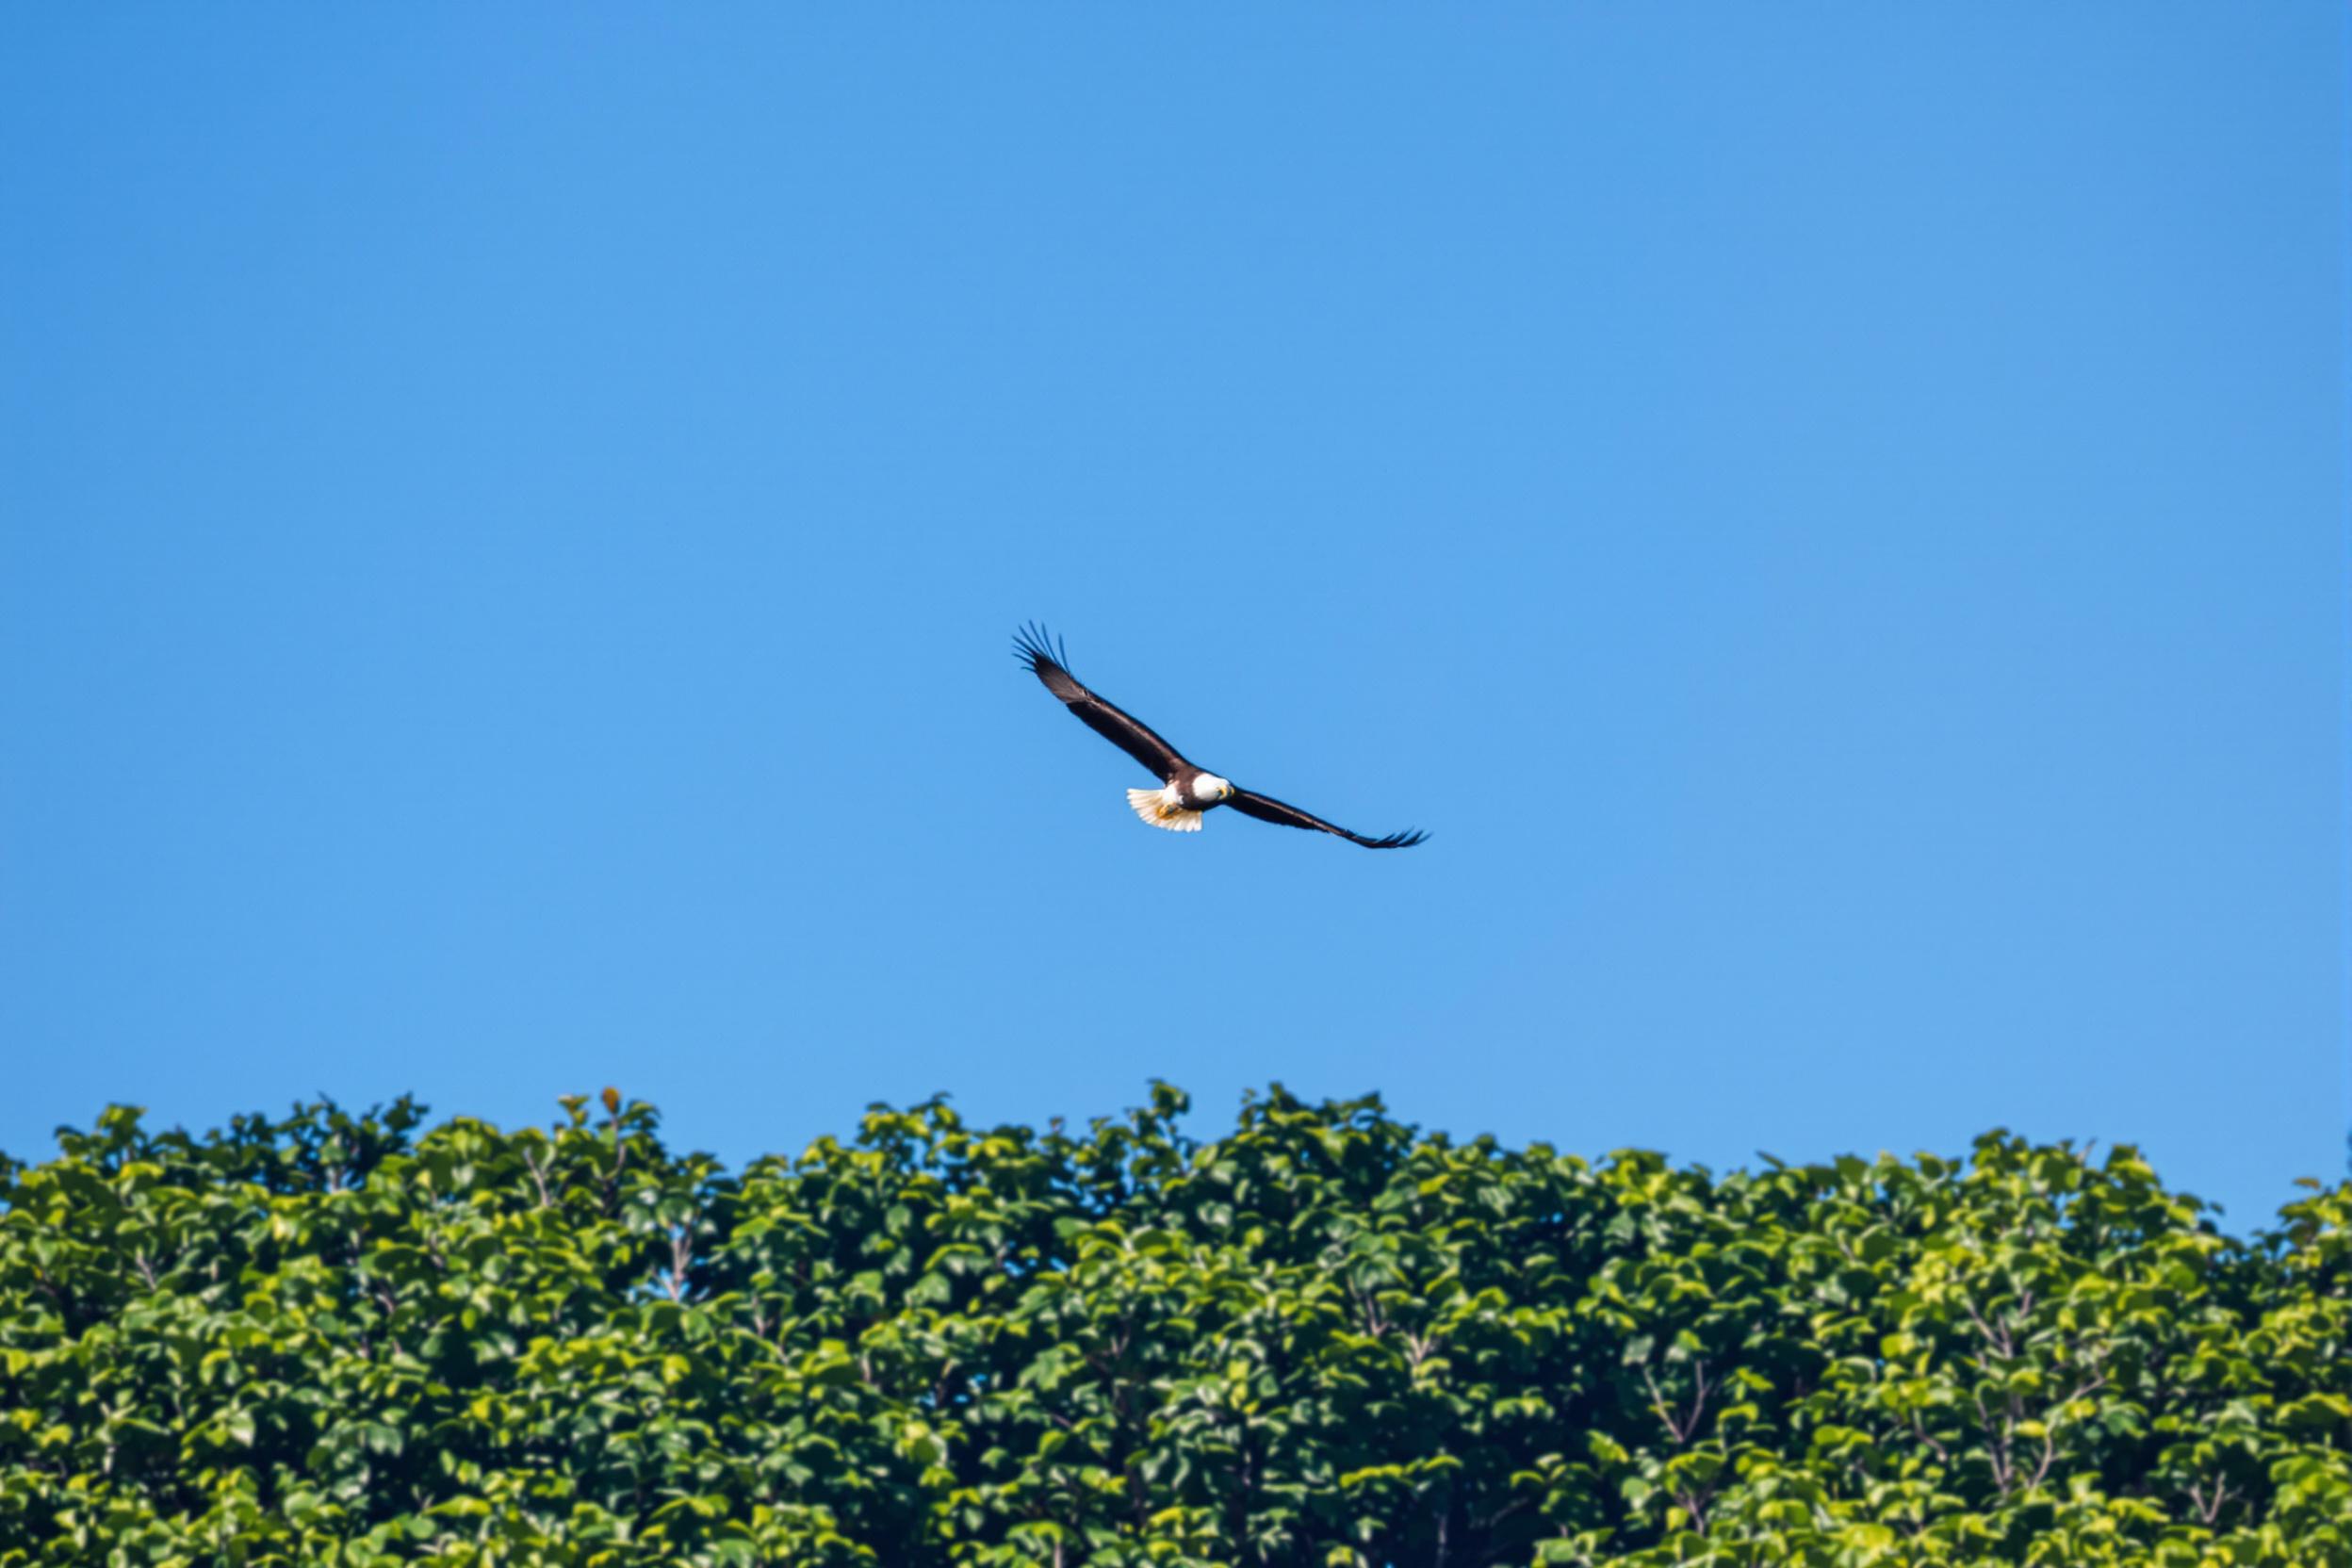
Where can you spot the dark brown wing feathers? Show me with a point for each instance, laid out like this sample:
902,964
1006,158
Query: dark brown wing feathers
1265,808
1045,657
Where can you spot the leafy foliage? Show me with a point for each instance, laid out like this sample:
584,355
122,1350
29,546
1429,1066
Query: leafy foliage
1324,1338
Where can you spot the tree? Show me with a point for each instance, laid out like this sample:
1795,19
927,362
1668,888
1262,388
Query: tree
1324,1338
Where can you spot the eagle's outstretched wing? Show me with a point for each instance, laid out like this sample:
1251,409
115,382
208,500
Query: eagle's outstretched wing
1250,804
1045,660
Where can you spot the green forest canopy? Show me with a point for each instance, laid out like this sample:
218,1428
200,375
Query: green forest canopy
1322,1338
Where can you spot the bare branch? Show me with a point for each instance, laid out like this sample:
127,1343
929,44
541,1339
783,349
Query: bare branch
1682,1428
2209,1506
2050,1426
1997,1434
1998,1339
538,1179
1919,1427
1657,1404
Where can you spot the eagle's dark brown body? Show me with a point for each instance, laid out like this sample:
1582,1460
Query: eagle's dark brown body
1188,793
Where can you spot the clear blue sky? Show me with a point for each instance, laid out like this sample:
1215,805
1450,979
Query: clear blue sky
511,520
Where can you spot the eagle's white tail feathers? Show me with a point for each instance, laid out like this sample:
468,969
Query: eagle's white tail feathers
1154,807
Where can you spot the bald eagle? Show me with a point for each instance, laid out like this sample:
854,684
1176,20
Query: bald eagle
1185,792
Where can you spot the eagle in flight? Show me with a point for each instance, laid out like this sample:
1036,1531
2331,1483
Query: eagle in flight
1185,792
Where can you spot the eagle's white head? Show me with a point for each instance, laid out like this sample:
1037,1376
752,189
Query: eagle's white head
1209,786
